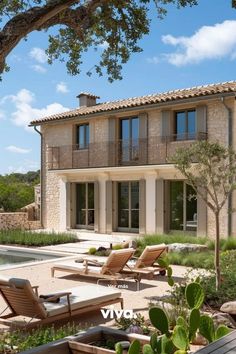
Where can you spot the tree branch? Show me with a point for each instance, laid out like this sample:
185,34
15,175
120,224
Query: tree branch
38,18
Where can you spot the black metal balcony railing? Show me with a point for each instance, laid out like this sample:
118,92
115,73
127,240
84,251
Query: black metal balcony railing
154,150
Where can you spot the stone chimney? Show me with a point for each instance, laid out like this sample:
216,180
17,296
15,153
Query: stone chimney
87,99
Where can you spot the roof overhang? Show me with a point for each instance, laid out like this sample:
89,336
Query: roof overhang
144,107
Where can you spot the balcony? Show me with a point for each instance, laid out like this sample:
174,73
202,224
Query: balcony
151,151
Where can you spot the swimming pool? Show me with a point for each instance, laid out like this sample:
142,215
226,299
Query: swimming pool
13,256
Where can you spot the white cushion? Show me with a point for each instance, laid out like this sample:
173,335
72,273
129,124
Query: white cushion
82,296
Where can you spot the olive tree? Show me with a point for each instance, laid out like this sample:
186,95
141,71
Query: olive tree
210,168
114,25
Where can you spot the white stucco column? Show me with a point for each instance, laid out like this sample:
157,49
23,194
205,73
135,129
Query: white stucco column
150,203
102,203
63,205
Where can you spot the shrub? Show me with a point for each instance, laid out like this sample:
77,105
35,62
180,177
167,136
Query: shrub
229,244
117,247
225,245
130,324
92,250
17,341
157,239
29,238
226,291
213,298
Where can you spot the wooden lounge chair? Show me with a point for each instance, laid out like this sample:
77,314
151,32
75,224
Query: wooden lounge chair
145,263
22,300
111,270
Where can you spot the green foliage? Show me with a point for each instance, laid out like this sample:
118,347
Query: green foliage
229,244
84,25
178,341
206,328
180,337
18,237
226,291
17,190
134,347
117,247
194,295
221,331
194,259
92,250
147,349
194,322
125,324
165,265
17,341
159,319
150,240
118,348
210,168
225,244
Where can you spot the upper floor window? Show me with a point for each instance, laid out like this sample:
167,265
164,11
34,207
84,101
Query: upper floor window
129,136
129,128
185,127
82,136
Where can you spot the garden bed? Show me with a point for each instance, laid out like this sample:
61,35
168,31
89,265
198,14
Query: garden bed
87,342
29,238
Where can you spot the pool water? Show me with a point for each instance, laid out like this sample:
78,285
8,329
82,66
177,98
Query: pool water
11,257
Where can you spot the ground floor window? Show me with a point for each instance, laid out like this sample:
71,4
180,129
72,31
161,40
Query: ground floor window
85,205
128,206
183,206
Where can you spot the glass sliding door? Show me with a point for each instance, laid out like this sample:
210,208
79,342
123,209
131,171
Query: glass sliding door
128,206
129,140
183,207
176,205
85,205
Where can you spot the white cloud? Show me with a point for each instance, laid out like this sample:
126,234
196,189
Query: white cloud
39,68
2,115
25,112
39,55
62,87
24,166
104,45
209,42
153,60
18,150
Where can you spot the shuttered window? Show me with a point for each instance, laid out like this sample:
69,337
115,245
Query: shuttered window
185,125
82,136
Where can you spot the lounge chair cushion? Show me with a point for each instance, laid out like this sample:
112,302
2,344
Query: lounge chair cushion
82,296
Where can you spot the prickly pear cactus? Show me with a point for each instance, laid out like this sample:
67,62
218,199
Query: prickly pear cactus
147,349
159,319
194,321
118,348
135,347
180,338
206,328
194,294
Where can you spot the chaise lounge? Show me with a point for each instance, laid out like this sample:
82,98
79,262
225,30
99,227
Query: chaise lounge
145,263
111,270
22,299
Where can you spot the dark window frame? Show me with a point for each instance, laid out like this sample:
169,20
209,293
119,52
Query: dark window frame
85,136
187,135
132,144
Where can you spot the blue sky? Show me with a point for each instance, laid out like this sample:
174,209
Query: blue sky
190,47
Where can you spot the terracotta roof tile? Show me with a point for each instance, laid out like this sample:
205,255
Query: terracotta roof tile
198,91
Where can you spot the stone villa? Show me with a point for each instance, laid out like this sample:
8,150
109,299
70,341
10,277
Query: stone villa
104,165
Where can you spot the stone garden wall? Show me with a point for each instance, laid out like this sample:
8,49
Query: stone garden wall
18,220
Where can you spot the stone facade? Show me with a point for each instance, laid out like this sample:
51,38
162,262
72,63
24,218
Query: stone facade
58,134
14,221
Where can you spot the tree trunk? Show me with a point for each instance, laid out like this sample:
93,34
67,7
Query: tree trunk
217,251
